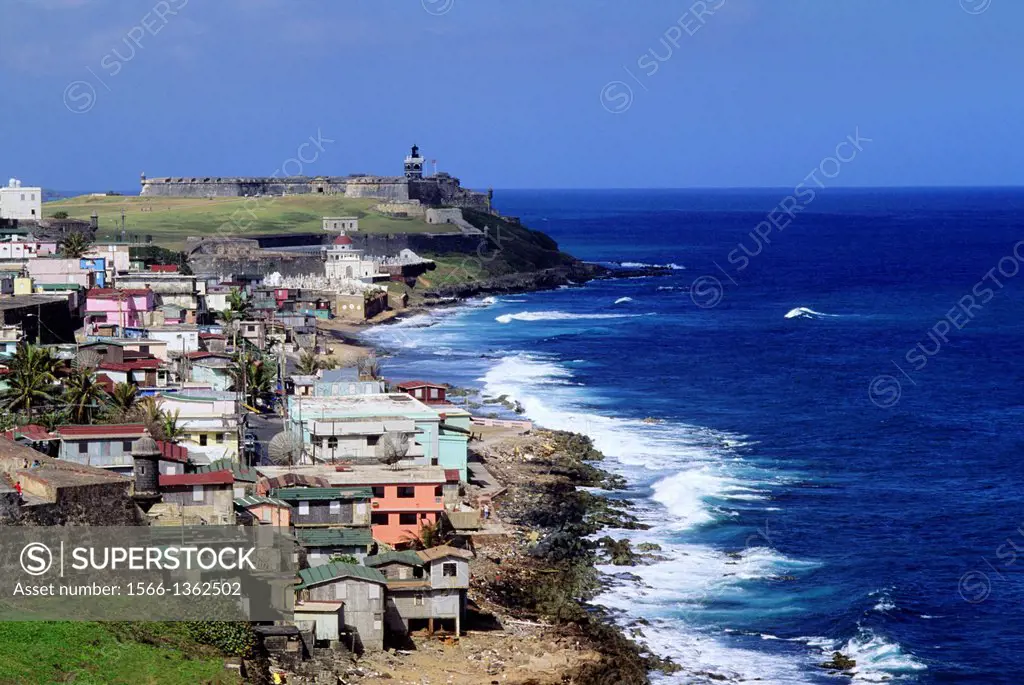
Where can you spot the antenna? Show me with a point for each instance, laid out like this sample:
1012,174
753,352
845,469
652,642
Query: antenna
434,162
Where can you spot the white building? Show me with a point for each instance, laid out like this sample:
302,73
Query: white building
341,260
18,202
341,224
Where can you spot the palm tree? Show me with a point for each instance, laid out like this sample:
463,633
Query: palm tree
32,381
170,429
74,245
429,535
124,398
84,395
231,320
308,364
251,373
238,303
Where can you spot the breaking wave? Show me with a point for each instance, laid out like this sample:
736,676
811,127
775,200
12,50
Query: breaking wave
556,316
807,313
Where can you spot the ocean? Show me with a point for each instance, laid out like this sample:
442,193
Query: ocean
820,417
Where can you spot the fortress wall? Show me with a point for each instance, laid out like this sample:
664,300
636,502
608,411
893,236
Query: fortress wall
411,208
240,187
390,188
286,265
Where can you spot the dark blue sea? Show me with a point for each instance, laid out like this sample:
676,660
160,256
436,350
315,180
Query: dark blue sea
822,422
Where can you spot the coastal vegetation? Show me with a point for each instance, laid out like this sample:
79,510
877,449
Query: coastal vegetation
170,220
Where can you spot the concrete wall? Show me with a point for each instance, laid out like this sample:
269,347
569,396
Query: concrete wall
364,607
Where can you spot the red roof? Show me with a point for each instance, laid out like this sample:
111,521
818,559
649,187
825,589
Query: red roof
164,268
203,355
452,475
172,452
31,431
134,365
409,385
212,336
342,240
118,429
224,477
117,293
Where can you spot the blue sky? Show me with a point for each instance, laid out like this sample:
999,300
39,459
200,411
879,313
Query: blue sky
514,94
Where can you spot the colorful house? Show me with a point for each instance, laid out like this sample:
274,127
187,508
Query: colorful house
118,307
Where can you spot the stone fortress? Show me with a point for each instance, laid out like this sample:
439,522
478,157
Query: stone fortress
408,194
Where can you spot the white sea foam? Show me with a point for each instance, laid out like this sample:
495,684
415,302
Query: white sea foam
557,316
623,300
692,486
878,659
806,313
642,265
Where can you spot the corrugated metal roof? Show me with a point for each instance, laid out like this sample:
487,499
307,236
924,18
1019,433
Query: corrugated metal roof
311,494
253,500
409,558
331,537
328,572
239,472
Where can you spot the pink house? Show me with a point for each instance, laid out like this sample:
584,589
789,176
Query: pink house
121,307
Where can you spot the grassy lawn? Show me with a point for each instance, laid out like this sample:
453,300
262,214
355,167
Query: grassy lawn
93,653
171,220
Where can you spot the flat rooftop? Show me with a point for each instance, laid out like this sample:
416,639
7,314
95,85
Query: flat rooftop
358,406
359,474
20,301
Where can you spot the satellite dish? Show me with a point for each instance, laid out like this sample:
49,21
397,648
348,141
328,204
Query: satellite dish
284,448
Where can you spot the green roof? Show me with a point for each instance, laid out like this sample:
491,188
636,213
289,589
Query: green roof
253,500
407,557
58,286
311,494
239,472
327,572
334,537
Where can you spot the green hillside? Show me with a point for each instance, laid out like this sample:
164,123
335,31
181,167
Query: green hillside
35,653
172,220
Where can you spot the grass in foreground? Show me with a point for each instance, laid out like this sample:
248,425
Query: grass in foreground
170,220
97,653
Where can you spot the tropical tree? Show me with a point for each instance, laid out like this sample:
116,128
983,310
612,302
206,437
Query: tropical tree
169,427
32,381
74,245
84,396
238,302
124,398
309,364
254,376
429,535
230,318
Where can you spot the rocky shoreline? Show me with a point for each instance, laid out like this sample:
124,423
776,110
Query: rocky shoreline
532,584
575,273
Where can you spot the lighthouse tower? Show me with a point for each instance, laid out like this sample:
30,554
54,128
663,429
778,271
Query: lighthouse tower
414,164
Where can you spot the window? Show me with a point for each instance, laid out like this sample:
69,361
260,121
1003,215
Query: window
303,508
449,570
407,519
335,507
434,393
406,491
126,446
417,572
439,491
378,491
197,493
372,440
265,515
340,590
378,519
220,438
332,443
203,439
418,601
83,447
